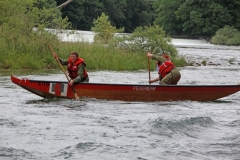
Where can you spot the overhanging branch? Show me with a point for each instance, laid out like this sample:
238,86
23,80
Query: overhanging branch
64,4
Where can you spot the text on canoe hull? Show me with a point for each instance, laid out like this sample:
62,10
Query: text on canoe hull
143,88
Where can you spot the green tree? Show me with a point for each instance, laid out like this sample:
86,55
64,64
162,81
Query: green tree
48,15
115,9
203,17
226,36
81,13
138,13
104,30
166,16
233,7
147,38
122,13
23,27
40,4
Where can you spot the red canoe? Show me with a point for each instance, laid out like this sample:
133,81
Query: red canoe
126,92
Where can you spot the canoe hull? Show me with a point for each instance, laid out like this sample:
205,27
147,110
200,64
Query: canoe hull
126,92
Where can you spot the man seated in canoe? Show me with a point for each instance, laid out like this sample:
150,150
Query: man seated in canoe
76,68
168,73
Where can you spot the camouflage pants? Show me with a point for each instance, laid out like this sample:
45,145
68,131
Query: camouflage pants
171,78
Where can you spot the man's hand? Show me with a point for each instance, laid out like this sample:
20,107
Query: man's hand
70,82
149,54
55,55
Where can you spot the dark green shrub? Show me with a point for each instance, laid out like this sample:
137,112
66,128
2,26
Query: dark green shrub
226,36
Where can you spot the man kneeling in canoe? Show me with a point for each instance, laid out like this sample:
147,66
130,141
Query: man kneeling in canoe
168,73
76,68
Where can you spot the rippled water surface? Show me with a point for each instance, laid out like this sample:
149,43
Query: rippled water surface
53,129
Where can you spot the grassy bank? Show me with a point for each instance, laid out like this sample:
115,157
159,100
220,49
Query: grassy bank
97,57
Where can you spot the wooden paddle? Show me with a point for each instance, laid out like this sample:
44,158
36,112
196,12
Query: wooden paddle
149,70
75,94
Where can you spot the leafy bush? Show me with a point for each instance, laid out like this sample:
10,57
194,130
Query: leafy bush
104,30
226,36
147,38
23,31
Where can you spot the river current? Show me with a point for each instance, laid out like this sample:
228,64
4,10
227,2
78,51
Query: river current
54,129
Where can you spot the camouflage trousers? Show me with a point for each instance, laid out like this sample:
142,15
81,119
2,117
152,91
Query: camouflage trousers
171,78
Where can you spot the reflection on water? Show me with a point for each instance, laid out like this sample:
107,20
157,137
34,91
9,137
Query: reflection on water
36,128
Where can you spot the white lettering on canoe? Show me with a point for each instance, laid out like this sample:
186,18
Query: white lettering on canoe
140,88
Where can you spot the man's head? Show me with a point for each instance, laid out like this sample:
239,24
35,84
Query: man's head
74,56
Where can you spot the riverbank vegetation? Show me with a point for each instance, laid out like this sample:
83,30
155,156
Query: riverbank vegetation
23,36
179,18
227,36
96,56
24,41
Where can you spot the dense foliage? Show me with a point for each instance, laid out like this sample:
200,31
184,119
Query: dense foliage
127,14
23,36
177,17
197,17
203,17
104,30
147,38
227,36
166,16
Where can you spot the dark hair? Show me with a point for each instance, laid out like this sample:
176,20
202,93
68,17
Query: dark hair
74,53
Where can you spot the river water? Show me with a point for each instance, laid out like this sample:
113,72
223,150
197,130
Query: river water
53,129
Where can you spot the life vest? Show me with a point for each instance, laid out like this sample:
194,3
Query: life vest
165,68
73,68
